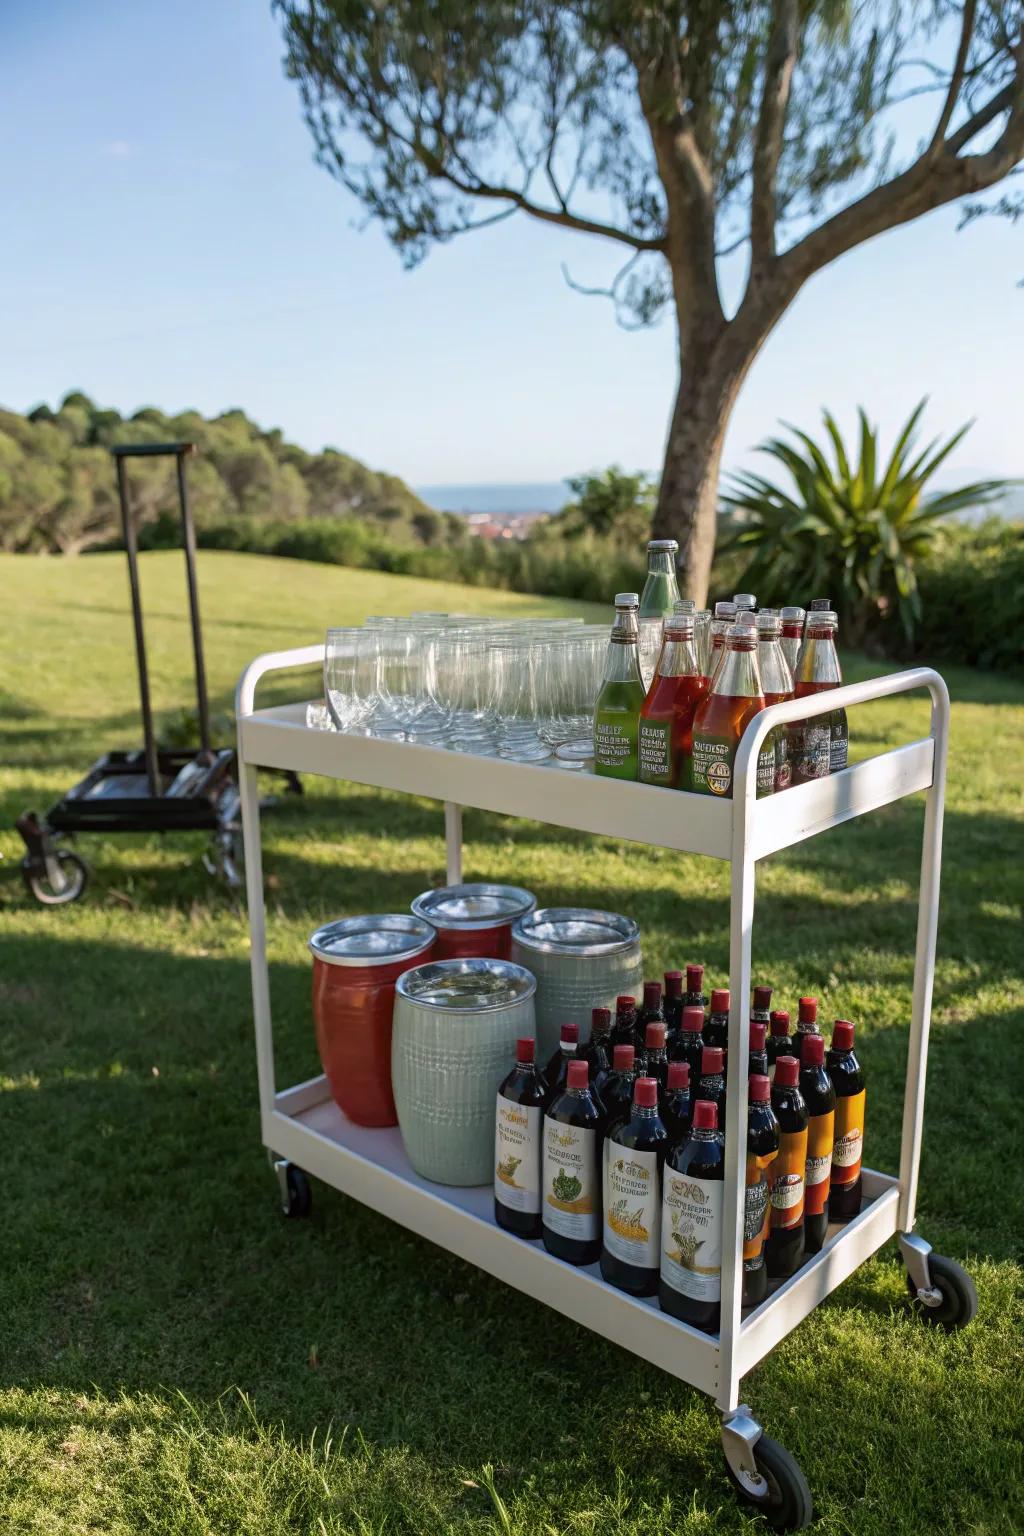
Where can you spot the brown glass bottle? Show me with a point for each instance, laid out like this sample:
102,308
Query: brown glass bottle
757,1060
556,1073
779,1042
617,1088
689,1043
673,1002
810,741
676,1106
763,1139
518,1138
716,1029
634,1158
847,1077
571,1172
784,1250
655,1057
736,697
624,1028
820,1098
712,1080
690,1284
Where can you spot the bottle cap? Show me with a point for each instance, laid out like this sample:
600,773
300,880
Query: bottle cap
645,1092
654,1035
744,600
600,1021
787,1071
757,1034
660,546
570,1034
842,1035
780,1022
692,1021
769,625
673,983
725,610
793,615
579,1074
821,604
808,1010
685,606
812,1053
694,978
623,1003
712,1060
524,1050
623,1058
720,1000
760,1089
678,1075
627,600
740,637
820,619
762,998
705,1115
652,994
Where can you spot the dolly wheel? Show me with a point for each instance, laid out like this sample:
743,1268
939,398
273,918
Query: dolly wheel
73,870
959,1300
296,1194
780,1492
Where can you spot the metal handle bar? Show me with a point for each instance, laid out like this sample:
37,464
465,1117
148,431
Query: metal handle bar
273,661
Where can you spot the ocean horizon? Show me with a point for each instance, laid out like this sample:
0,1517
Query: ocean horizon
500,497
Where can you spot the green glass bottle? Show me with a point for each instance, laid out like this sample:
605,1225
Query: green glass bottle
660,595
617,715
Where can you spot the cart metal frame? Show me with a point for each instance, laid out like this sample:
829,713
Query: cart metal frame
303,1127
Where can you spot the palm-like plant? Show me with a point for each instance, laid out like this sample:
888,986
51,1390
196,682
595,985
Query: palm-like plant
855,531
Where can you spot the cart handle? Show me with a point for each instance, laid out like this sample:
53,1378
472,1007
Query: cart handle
273,661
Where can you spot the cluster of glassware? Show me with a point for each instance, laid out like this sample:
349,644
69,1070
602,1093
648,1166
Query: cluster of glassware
521,689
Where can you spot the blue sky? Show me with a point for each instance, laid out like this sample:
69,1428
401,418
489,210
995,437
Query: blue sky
166,239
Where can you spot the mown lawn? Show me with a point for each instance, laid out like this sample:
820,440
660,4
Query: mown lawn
175,1357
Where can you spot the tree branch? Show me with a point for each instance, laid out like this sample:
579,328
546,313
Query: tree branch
783,46
956,79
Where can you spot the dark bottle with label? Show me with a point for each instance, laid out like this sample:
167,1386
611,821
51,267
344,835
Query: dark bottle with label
763,1139
779,1042
716,1030
757,1061
688,1045
556,1073
518,1140
617,1088
694,994
655,1057
690,1284
784,1250
820,1098
571,1172
624,1028
673,1003
597,1052
650,1013
634,1158
806,1022
676,1107
712,1080
851,1095
760,1008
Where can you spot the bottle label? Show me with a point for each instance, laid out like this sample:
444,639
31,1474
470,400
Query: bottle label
766,766
691,1233
783,767
810,749
820,1136
849,1142
657,765
632,1205
838,742
615,744
713,758
756,1206
572,1197
517,1130
788,1180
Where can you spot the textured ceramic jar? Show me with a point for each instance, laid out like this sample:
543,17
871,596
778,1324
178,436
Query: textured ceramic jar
474,919
582,959
456,1023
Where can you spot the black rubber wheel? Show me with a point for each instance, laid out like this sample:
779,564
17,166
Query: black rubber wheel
300,1195
786,1501
959,1304
76,875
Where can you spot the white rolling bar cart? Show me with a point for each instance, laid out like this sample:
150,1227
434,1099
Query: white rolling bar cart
305,1132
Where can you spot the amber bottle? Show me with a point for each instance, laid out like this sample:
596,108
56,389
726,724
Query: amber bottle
820,1098
763,1138
784,1250
736,697
851,1095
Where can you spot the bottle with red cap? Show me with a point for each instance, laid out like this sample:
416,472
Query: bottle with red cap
763,1140
676,1106
571,1171
690,1283
634,1158
757,1060
673,1001
694,997
556,1073
820,1098
806,1022
597,1052
617,1088
784,1250
761,1007
688,1044
518,1134
779,1042
847,1076
655,1058
716,1030
650,1013
712,1080
624,1028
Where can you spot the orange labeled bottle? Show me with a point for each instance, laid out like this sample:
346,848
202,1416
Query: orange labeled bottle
725,614
812,754
792,634
763,1139
665,742
820,1098
847,1077
736,697
784,1250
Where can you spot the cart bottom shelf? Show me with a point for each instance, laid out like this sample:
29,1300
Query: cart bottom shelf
308,1129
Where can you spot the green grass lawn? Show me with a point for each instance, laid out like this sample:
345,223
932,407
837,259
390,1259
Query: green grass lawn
175,1357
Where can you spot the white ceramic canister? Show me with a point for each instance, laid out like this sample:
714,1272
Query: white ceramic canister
582,959
456,1023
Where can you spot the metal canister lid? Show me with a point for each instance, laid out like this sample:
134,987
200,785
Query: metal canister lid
576,931
380,938
467,986
468,907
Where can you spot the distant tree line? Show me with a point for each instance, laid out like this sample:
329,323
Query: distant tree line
58,489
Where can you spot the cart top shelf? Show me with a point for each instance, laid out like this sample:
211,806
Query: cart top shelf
724,829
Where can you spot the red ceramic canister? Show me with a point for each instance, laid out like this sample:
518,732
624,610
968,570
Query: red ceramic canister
474,921
356,962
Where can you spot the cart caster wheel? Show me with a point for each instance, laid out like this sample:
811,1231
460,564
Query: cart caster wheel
296,1194
778,1490
74,873
958,1300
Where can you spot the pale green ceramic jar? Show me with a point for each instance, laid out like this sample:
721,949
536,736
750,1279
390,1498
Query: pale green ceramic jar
454,1033
583,959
